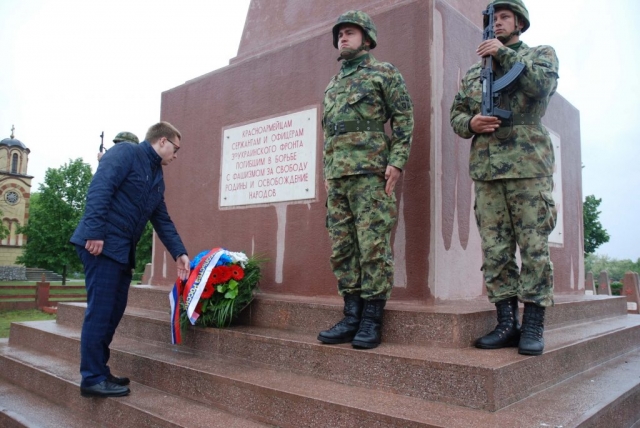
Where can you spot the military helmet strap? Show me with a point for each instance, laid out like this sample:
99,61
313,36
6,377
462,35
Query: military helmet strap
353,54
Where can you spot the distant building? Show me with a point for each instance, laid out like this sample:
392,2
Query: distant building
15,191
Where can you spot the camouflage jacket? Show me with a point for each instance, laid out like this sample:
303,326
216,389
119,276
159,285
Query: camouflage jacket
526,152
372,90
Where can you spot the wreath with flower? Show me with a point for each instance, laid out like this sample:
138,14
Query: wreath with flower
220,285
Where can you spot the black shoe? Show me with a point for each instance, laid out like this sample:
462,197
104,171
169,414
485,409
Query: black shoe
122,381
507,332
347,327
532,340
369,335
104,389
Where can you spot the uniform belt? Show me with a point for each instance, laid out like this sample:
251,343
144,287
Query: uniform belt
522,119
344,126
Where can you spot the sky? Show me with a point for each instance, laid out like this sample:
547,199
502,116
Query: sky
71,69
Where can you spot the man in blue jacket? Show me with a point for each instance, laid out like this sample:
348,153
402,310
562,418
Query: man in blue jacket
127,190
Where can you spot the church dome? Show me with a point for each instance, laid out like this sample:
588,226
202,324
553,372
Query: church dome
12,142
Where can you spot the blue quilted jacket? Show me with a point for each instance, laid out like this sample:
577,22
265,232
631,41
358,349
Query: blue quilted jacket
127,190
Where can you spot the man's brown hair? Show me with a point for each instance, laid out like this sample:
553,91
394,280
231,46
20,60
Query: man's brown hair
162,129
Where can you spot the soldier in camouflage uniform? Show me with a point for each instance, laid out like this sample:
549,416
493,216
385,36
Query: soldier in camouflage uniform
362,165
128,137
512,166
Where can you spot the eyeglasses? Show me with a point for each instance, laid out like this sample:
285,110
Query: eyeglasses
175,147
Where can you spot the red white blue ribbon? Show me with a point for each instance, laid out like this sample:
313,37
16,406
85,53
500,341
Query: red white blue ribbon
191,292
174,300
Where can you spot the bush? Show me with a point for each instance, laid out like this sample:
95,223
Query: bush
616,288
137,276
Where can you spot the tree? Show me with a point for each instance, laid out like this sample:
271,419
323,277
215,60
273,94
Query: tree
143,250
4,231
596,263
594,234
53,216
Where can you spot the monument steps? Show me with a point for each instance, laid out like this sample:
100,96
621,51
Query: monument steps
23,409
273,371
39,371
467,377
449,324
287,399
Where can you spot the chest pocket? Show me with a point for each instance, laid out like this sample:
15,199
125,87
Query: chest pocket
362,101
356,97
330,101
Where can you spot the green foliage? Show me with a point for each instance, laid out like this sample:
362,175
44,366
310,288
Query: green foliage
143,250
616,268
53,216
594,234
4,231
616,288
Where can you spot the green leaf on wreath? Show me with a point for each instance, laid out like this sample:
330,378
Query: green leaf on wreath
231,294
233,284
221,288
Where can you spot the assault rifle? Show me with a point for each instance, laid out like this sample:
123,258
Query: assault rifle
102,142
491,89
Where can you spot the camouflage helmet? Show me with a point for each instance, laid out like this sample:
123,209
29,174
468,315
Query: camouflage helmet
360,19
516,6
126,136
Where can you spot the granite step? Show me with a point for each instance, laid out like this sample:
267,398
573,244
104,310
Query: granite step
605,395
20,408
58,380
447,324
466,377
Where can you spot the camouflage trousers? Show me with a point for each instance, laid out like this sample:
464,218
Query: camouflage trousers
360,217
522,212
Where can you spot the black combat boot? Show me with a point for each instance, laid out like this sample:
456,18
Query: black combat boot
345,329
370,332
531,341
507,332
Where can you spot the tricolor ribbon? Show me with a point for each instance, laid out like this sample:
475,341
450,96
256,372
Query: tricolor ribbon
191,292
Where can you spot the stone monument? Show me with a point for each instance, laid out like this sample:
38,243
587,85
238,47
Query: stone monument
252,153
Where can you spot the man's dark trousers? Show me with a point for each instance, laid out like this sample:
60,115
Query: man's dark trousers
107,283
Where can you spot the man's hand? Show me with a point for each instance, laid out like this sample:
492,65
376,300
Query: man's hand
489,47
183,267
484,124
392,174
94,247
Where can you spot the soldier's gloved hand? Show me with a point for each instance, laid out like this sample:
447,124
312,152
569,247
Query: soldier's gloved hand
484,124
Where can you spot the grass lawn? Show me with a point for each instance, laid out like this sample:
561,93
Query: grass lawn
7,317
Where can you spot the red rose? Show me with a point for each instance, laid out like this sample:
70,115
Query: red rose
236,272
